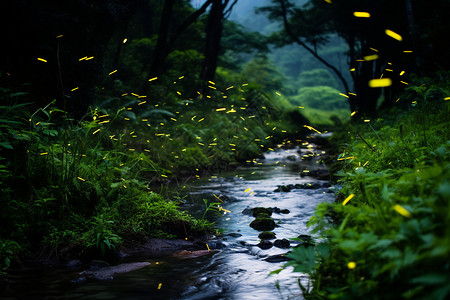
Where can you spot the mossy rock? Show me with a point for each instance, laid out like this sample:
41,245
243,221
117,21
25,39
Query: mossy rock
265,244
262,215
267,235
284,243
257,211
308,241
263,224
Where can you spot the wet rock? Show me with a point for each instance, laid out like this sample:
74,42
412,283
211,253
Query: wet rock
234,234
97,264
263,224
290,187
216,245
284,243
280,211
257,211
267,235
73,263
277,258
193,254
265,244
321,174
307,241
292,157
306,238
107,273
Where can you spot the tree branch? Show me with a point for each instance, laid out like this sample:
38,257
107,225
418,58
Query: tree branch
189,20
226,14
304,45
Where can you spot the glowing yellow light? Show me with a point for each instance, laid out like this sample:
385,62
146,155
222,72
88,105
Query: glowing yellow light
328,1
89,58
112,72
348,199
393,35
59,36
79,178
371,57
352,69
41,59
221,109
384,82
407,51
373,49
74,89
401,210
96,131
154,78
404,82
45,153
351,265
353,113
361,14
159,286
343,95
311,128
247,190
401,73
83,58
124,40
278,93
447,98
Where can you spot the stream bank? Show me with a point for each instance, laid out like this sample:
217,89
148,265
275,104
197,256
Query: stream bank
238,265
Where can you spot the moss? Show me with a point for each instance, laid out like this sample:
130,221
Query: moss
263,224
267,235
262,212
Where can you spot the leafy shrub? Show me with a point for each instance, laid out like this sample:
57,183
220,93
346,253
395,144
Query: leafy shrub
387,233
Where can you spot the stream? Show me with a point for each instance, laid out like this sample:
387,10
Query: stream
237,268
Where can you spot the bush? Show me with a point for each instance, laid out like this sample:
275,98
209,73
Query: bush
386,236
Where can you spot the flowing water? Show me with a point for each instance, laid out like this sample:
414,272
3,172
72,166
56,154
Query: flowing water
237,270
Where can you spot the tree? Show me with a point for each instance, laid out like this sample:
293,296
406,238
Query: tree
165,39
312,24
217,15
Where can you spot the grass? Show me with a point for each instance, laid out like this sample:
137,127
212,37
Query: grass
387,235
83,187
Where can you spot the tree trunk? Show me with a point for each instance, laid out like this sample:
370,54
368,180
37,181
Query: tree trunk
161,47
213,36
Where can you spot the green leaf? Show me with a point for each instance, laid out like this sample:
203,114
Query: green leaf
6,145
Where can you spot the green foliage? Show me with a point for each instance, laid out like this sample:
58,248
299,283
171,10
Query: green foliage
317,77
322,105
390,237
320,97
263,72
66,184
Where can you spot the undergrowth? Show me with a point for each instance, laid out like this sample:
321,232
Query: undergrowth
387,236
82,188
